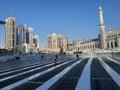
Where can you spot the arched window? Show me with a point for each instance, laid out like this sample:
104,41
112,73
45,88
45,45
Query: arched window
114,35
111,44
108,45
93,47
116,45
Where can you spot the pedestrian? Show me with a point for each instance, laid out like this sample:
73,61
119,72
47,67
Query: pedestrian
56,57
77,56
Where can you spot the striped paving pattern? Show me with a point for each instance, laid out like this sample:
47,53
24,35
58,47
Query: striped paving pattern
102,73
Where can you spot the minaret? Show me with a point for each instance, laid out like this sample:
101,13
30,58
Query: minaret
102,30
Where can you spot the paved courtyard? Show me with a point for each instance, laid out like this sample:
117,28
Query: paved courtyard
95,73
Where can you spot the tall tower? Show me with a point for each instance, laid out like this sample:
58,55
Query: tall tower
102,30
21,38
10,34
29,39
29,35
22,33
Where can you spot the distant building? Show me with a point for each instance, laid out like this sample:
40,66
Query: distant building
86,45
21,38
36,41
22,33
29,35
29,39
25,41
56,43
105,41
10,33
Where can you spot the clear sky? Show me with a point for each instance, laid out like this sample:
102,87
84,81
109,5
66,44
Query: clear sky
76,19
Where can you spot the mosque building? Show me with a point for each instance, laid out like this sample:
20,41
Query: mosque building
105,41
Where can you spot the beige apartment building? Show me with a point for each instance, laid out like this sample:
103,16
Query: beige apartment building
10,33
56,43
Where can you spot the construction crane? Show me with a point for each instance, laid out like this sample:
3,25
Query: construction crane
2,22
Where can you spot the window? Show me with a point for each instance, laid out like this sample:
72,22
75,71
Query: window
111,44
116,44
93,46
114,35
108,45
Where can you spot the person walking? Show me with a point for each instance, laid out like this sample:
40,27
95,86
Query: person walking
56,57
77,56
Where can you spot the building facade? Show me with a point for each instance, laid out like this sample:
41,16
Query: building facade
25,41
10,33
29,40
105,41
22,33
29,35
56,43
36,43
21,39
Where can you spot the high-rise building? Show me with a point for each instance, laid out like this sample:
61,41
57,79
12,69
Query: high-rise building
29,39
36,41
17,36
22,33
26,42
56,43
21,38
29,35
10,34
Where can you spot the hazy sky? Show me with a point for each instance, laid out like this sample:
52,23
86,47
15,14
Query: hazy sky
76,19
